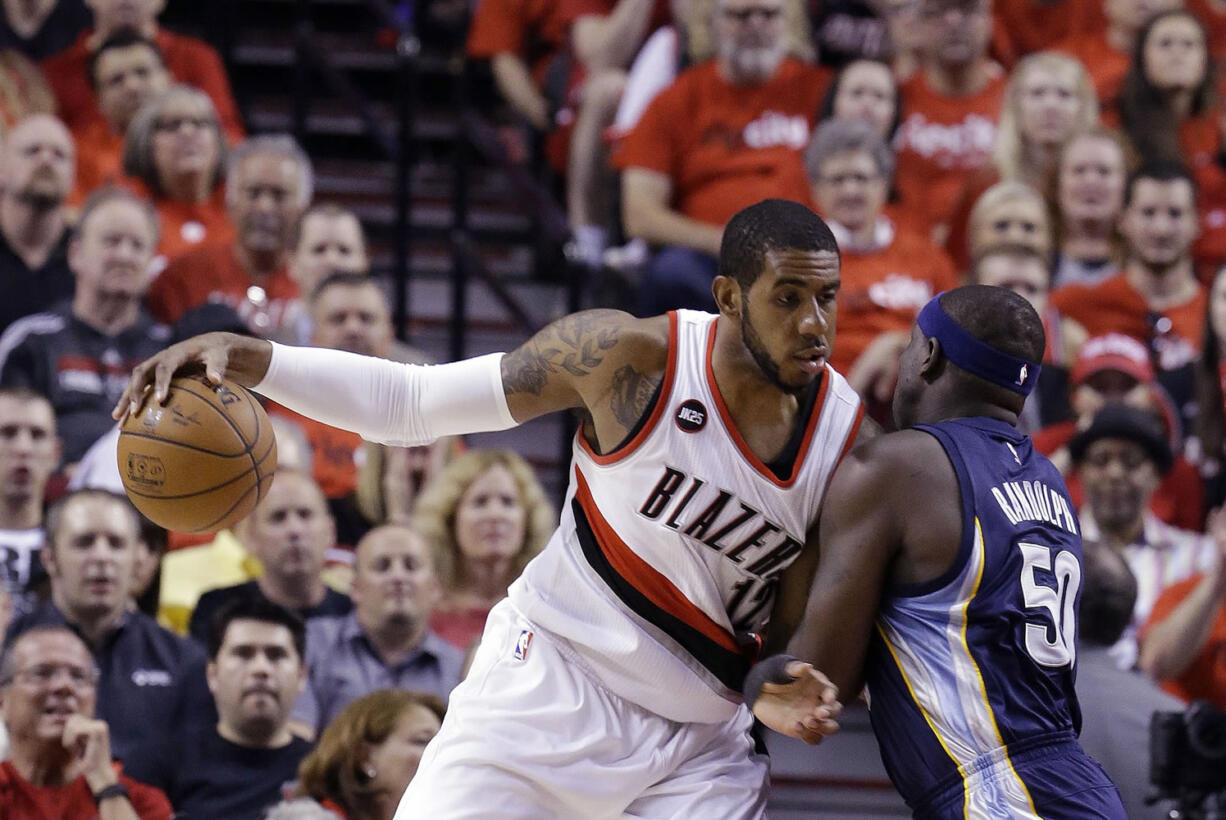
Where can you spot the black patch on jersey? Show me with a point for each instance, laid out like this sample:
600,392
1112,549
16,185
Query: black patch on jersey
691,416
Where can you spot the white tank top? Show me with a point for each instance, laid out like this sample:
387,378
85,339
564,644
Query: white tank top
665,564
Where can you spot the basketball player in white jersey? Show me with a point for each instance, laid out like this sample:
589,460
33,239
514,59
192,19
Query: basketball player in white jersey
608,683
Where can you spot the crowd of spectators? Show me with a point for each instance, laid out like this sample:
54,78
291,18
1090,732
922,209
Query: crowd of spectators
1073,151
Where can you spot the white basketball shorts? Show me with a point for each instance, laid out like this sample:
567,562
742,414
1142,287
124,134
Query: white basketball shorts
530,735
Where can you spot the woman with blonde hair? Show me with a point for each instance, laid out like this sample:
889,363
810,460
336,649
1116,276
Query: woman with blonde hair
486,516
1010,212
1049,99
366,757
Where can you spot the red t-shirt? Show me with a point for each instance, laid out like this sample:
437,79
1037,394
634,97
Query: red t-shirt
571,10
531,29
1033,25
99,159
726,147
334,452
1213,15
941,143
1105,64
1205,677
212,273
884,290
188,60
21,800
1114,305
186,225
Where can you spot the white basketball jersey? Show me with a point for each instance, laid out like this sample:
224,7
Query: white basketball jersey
664,568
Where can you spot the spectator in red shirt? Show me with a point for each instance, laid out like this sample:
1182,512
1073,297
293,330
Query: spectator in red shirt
269,185
726,134
60,756
175,149
1089,199
888,273
951,110
1166,103
189,61
1156,299
1033,25
125,71
521,39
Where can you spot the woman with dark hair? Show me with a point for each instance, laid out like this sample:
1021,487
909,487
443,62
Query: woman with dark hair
176,147
366,757
1165,105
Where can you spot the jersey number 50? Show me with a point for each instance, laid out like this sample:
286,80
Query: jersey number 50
1052,645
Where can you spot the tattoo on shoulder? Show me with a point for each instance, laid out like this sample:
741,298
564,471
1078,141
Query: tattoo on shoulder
631,393
575,344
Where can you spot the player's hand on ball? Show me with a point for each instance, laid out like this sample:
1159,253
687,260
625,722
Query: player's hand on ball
806,708
241,358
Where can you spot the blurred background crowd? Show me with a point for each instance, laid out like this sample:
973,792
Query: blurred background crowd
415,180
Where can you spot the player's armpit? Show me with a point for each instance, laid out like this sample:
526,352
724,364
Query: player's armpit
579,358
860,534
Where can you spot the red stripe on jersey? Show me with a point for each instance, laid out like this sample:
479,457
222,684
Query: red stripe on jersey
735,434
851,435
644,577
630,446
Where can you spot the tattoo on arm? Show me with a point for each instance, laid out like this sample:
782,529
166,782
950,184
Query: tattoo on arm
575,344
631,393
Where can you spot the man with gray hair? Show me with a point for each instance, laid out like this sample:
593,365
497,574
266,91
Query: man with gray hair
268,187
728,133
889,273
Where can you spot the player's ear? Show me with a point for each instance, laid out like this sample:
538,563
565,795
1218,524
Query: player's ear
727,293
930,364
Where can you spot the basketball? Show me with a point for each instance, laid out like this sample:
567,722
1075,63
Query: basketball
201,461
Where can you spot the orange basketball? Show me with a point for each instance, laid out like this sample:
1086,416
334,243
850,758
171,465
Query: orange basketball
201,461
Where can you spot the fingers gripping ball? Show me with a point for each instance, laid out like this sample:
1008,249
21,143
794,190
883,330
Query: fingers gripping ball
201,461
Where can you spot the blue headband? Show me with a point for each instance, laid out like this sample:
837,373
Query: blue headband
972,355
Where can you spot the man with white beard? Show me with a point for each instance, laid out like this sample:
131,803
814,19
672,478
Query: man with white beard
728,133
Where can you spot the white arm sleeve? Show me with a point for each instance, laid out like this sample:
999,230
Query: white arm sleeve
389,402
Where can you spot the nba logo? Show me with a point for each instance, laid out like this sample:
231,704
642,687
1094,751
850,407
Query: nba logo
522,644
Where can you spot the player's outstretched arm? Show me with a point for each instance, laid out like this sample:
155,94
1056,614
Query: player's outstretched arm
565,365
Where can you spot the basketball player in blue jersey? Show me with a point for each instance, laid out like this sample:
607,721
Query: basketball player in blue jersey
948,582
608,682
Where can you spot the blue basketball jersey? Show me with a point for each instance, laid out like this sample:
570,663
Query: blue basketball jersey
975,667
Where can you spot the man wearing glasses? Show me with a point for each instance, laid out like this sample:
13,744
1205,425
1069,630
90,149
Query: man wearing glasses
60,756
149,680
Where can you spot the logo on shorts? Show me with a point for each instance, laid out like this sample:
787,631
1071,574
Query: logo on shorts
521,645
691,416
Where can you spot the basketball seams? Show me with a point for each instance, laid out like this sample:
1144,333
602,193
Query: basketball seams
184,445
225,415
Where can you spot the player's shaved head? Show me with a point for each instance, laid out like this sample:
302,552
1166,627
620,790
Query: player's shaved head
997,317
